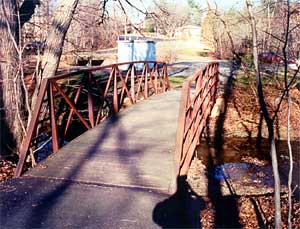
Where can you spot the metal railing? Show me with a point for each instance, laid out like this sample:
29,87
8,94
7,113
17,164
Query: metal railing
197,100
86,97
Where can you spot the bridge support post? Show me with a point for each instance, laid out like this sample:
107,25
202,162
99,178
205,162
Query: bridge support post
90,101
54,131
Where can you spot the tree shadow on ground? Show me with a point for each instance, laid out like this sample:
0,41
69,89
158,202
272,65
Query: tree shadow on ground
7,141
50,200
181,210
226,213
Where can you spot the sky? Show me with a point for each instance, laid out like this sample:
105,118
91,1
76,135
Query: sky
142,4
223,4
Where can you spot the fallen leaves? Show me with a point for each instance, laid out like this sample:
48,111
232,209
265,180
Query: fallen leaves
254,212
254,202
6,170
254,161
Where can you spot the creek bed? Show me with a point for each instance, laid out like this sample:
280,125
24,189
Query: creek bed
239,168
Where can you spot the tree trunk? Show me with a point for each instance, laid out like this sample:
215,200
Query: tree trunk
10,95
287,88
53,51
55,42
266,117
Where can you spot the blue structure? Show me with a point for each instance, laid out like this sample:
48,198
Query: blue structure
125,53
144,51
137,50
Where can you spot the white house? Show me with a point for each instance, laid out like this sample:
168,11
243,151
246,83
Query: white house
188,32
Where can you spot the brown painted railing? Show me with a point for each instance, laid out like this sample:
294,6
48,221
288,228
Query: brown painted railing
197,100
86,97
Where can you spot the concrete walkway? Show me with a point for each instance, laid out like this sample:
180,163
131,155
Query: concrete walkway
112,176
51,203
132,149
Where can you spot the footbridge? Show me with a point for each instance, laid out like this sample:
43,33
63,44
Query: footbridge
123,125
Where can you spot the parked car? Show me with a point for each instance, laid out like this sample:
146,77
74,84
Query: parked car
270,57
35,47
294,64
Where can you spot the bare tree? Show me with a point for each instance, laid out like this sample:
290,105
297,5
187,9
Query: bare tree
54,46
12,19
54,43
287,84
15,110
92,28
11,94
170,15
266,117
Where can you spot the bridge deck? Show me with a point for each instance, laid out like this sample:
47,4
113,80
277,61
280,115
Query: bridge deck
133,149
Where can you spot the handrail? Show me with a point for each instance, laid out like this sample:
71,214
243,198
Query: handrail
197,100
91,94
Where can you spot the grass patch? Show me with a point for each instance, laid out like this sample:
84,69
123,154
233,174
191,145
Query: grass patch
176,81
203,54
192,52
175,49
188,52
266,78
243,80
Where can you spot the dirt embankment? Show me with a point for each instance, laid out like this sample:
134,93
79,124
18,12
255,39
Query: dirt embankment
243,117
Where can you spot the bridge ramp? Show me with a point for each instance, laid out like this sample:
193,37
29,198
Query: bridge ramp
132,149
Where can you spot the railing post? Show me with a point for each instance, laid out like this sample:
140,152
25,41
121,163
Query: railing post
90,100
146,80
156,75
31,128
181,128
54,131
166,78
132,88
115,92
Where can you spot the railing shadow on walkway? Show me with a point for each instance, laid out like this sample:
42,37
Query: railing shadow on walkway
226,213
104,87
51,199
40,213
